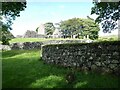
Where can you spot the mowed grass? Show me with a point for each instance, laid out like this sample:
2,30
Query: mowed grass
105,38
102,38
15,40
109,38
25,69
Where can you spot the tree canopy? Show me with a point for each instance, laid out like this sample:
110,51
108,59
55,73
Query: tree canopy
5,35
81,27
49,28
9,11
108,14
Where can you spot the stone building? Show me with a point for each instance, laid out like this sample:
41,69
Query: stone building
30,34
57,33
41,29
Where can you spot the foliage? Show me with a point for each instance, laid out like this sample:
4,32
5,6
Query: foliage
37,29
25,69
10,10
49,28
5,35
80,27
108,14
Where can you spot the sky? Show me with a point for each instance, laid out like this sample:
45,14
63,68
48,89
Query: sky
39,11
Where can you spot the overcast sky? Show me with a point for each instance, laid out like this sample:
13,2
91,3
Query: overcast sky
38,12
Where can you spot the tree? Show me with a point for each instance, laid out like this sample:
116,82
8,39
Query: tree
80,27
37,29
5,35
108,14
9,11
49,28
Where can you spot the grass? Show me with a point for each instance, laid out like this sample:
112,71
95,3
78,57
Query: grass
105,38
109,38
102,38
36,39
25,69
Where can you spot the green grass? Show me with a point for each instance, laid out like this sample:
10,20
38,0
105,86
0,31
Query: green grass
108,38
25,69
15,40
36,39
103,38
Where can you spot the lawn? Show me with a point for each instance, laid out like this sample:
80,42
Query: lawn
37,39
103,38
108,38
25,69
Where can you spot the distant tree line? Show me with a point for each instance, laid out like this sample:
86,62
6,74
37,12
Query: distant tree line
75,26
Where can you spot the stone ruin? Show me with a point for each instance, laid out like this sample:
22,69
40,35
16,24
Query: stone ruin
57,34
30,34
40,33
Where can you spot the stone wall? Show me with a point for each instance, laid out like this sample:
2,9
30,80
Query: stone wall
37,45
5,47
26,45
99,56
66,41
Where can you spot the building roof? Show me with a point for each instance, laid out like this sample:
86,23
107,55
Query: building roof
57,32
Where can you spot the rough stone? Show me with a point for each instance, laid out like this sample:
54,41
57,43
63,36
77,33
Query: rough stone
77,55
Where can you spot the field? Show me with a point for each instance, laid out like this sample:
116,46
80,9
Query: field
25,69
37,39
108,38
105,38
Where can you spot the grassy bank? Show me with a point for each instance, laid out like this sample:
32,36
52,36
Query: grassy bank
25,69
37,39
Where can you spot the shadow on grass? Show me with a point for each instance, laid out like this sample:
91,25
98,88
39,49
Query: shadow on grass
6,54
27,71
12,53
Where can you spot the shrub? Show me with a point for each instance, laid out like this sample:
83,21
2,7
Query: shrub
5,40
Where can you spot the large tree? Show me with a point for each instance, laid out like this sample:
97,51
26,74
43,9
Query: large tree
8,12
49,28
11,10
81,27
5,35
108,14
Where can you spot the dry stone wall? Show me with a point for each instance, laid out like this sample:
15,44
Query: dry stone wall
102,56
26,45
37,45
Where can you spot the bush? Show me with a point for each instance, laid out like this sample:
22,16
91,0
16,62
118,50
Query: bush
5,40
